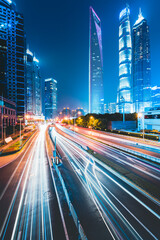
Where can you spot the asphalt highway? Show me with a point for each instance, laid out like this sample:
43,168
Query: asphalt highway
143,146
121,208
149,172
108,206
28,204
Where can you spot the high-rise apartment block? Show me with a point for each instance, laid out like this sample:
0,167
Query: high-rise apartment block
124,94
141,65
50,98
96,95
12,51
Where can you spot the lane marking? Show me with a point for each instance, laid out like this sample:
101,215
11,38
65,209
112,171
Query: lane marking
14,197
58,199
10,179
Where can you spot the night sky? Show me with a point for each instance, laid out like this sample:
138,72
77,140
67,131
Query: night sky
58,32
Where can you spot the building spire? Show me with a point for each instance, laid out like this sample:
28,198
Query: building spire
140,13
140,17
127,5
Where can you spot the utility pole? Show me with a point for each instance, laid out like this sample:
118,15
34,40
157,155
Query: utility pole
54,153
20,132
55,147
123,102
2,119
143,124
123,113
74,124
74,121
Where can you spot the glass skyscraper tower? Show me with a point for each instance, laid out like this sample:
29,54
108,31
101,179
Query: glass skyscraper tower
50,98
96,94
124,94
33,86
141,65
12,52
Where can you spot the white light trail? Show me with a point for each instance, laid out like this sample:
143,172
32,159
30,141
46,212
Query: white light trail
67,144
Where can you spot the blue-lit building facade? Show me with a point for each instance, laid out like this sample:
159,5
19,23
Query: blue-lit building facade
149,119
33,87
96,94
155,96
124,93
12,51
141,64
50,98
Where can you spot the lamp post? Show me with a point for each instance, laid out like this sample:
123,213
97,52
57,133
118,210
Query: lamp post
79,113
14,128
20,131
74,122
2,119
122,101
91,118
141,116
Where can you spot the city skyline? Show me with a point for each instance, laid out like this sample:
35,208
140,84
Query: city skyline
71,76
76,160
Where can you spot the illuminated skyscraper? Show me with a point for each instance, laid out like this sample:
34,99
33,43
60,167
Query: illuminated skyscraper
141,65
12,52
50,98
96,95
33,89
124,94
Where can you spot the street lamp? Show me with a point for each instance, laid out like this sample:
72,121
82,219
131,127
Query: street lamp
79,113
141,115
20,119
74,121
123,102
2,119
20,132
91,118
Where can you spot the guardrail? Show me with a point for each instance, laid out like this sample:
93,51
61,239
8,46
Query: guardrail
151,158
148,157
71,208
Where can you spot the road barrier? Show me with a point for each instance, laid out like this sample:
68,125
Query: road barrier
148,157
71,208
143,155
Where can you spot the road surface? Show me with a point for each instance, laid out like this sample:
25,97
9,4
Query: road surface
29,206
116,205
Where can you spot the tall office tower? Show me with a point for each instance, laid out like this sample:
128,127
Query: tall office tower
124,94
141,65
12,47
96,94
33,86
50,98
